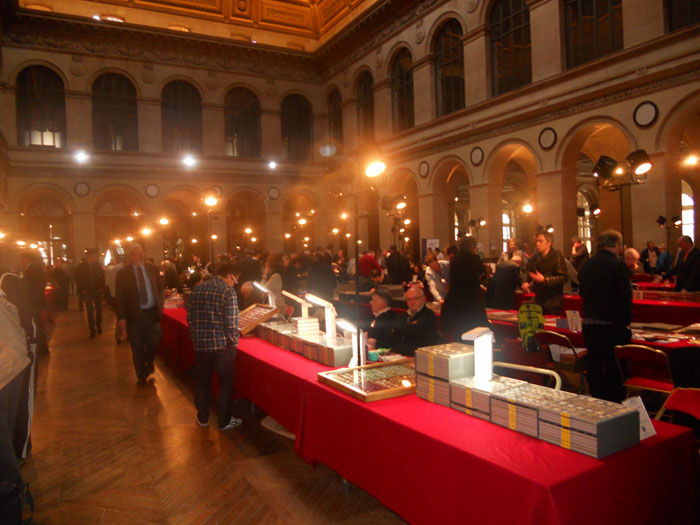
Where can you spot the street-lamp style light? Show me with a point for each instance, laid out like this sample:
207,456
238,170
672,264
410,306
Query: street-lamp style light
248,231
146,232
163,221
302,221
210,201
527,208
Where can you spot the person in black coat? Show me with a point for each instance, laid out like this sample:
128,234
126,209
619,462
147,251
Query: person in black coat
62,281
418,327
398,267
380,333
606,314
90,281
687,268
502,286
546,274
321,281
463,308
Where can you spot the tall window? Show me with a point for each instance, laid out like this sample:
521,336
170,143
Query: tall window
583,224
114,124
365,107
511,63
508,228
402,91
593,29
41,108
682,13
335,118
242,123
297,127
449,69
181,118
687,210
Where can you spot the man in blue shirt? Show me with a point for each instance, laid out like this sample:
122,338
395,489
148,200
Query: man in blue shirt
212,315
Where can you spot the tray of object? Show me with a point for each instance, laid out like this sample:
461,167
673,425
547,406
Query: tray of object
446,361
252,316
374,382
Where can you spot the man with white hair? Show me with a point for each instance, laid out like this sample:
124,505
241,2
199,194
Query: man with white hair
418,327
140,297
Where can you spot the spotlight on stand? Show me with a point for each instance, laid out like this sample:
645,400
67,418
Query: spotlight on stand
639,162
604,168
676,220
661,221
595,210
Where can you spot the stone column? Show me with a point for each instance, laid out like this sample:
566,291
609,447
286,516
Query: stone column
433,211
476,51
8,115
486,202
423,91
78,127
83,232
642,21
547,46
271,131
149,123
350,124
383,124
556,205
274,229
649,200
213,136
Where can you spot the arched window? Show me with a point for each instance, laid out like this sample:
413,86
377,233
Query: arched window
41,108
584,218
402,91
181,118
508,228
365,107
242,123
682,13
687,210
114,124
511,63
297,127
449,68
593,29
335,118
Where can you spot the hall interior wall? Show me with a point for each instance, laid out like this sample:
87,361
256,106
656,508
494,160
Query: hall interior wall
653,66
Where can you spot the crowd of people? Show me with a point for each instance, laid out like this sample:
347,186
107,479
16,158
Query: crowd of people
457,278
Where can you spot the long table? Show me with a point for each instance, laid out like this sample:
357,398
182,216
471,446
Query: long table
432,464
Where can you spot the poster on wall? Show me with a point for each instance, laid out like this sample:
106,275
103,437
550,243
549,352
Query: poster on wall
429,243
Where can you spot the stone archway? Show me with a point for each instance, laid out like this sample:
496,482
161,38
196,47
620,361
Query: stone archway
448,206
400,225
246,227
299,223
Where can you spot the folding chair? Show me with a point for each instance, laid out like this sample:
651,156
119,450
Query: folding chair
644,368
682,407
532,369
572,361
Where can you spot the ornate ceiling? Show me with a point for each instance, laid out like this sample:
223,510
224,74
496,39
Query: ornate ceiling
294,24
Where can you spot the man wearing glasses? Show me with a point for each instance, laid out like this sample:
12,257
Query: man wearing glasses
418,327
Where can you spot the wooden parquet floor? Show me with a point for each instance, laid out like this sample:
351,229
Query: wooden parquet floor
105,451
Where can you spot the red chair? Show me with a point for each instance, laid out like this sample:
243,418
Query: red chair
644,368
683,408
570,364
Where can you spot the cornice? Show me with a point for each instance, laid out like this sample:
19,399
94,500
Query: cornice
358,39
67,35
537,116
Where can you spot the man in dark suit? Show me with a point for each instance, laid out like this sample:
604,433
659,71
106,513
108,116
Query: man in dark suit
687,266
398,267
90,281
380,333
140,298
418,327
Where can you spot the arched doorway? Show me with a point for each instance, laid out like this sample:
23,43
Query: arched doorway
400,206
299,223
45,225
245,221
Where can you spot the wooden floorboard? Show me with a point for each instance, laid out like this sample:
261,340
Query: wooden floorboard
107,451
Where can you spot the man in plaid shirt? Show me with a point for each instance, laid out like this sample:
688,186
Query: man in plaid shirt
212,315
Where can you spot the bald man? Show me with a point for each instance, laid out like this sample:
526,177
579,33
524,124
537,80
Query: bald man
418,327
140,297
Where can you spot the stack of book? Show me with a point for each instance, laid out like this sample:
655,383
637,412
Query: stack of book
437,365
474,398
305,326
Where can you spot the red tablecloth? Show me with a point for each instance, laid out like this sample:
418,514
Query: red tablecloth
643,310
431,464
